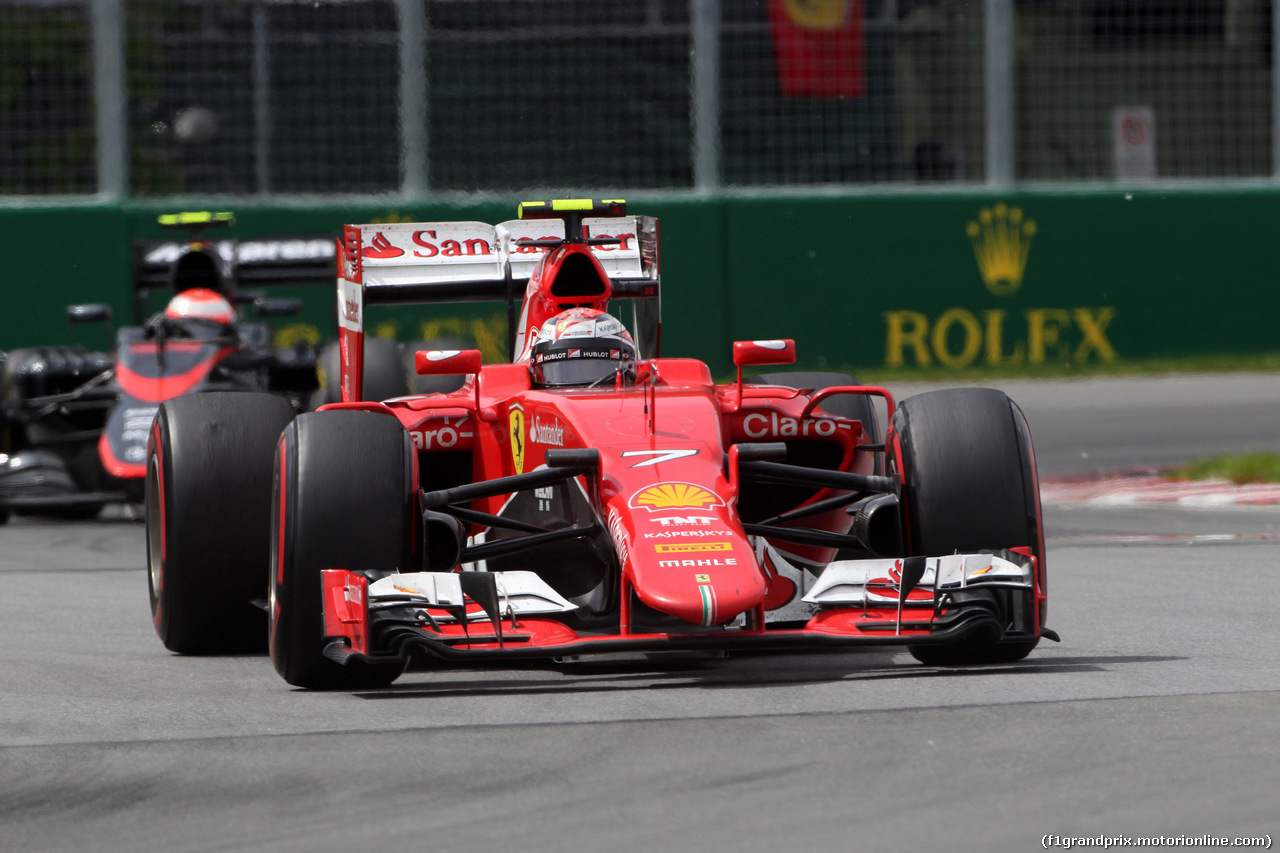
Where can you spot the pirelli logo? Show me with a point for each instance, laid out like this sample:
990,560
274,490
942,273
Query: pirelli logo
691,547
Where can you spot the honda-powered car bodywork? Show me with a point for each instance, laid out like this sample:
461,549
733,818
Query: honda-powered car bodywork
75,423
657,510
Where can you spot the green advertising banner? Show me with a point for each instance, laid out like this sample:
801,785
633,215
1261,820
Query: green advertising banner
861,282
958,281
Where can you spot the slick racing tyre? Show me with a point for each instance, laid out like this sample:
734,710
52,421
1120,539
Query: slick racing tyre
385,373
208,499
344,492
968,484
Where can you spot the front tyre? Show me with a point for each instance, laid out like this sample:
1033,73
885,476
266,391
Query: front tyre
208,497
969,484
344,497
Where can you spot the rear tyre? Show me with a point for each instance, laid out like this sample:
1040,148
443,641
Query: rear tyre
344,492
385,373
208,498
968,484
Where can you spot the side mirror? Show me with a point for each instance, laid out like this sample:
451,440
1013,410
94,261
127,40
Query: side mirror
96,312
446,362
764,352
273,307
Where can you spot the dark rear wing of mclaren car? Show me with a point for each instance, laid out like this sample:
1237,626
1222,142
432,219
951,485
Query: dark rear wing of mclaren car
226,265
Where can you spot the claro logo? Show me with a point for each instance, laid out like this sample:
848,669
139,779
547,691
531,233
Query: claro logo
442,434
760,424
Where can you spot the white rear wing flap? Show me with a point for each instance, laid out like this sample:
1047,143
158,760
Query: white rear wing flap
634,257
436,262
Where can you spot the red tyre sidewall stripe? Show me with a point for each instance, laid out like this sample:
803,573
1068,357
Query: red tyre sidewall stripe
157,448
164,511
1041,591
284,489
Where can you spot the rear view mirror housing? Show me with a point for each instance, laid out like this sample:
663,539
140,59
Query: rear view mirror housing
449,362
94,312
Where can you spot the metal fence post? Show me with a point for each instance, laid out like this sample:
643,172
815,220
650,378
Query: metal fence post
704,101
261,101
111,117
997,24
1275,89
413,97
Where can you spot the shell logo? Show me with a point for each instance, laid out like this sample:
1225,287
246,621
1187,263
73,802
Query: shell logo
675,496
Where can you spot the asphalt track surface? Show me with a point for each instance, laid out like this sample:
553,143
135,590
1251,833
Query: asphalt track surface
1158,714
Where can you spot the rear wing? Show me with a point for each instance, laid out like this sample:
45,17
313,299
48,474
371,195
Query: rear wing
260,260
453,262
284,259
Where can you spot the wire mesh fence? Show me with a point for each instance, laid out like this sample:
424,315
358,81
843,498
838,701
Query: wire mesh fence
427,97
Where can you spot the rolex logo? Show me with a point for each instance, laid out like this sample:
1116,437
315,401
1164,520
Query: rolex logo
1001,240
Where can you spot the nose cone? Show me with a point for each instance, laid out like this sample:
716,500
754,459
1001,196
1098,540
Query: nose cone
703,591
693,563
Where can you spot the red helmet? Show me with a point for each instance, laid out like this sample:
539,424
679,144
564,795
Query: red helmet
200,303
581,346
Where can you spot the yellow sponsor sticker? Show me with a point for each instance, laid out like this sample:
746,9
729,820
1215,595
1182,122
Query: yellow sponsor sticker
675,496
690,547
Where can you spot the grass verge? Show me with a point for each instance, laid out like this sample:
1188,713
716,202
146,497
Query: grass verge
1238,468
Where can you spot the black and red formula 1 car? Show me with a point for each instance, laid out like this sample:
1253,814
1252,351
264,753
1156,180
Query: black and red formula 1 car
590,497
74,423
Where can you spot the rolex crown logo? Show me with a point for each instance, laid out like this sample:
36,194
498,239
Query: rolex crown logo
1001,240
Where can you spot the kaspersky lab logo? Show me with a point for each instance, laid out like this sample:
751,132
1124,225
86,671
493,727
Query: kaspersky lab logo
1001,239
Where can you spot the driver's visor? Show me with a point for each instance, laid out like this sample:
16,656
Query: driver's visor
579,366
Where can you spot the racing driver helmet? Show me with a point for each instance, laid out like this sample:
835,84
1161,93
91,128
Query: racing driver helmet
200,303
581,346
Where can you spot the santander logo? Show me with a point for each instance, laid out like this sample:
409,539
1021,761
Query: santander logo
380,248
546,432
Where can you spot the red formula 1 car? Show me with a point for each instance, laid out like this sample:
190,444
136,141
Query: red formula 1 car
590,497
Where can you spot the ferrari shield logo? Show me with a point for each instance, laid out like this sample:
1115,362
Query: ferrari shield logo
516,423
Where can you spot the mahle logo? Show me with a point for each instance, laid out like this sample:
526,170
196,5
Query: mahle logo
1001,239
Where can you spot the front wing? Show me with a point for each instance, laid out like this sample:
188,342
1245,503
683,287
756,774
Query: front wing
514,615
